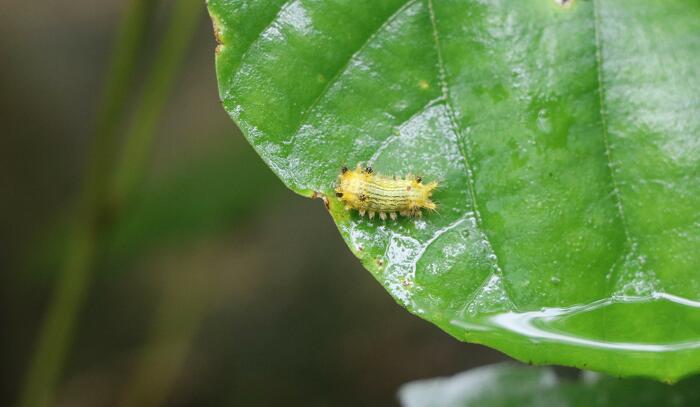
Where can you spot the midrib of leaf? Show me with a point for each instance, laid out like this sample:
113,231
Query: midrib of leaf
465,152
463,143
606,137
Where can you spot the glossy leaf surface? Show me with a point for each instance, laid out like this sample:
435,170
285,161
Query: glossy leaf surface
565,136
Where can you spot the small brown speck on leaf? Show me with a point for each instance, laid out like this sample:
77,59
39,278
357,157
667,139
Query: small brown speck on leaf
217,36
217,31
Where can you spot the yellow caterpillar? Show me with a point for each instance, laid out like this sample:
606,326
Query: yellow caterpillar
372,193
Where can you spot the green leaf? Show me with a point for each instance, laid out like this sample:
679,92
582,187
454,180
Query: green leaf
509,385
565,136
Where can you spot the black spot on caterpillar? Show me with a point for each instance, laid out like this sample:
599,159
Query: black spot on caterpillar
371,193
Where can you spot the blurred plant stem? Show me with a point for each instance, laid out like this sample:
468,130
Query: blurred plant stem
181,308
139,136
94,210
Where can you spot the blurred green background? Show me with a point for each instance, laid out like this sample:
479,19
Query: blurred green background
212,284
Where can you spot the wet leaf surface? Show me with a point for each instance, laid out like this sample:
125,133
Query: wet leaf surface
565,137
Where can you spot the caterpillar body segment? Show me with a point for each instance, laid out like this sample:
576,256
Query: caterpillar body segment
367,192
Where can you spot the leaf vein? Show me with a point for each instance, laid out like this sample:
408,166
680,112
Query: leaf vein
605,129
466,155
258,37
345,66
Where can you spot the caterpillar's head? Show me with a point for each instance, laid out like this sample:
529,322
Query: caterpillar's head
350,185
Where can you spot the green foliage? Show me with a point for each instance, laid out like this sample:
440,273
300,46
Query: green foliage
565,138
509,385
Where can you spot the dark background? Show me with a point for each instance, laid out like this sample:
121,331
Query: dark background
217,285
